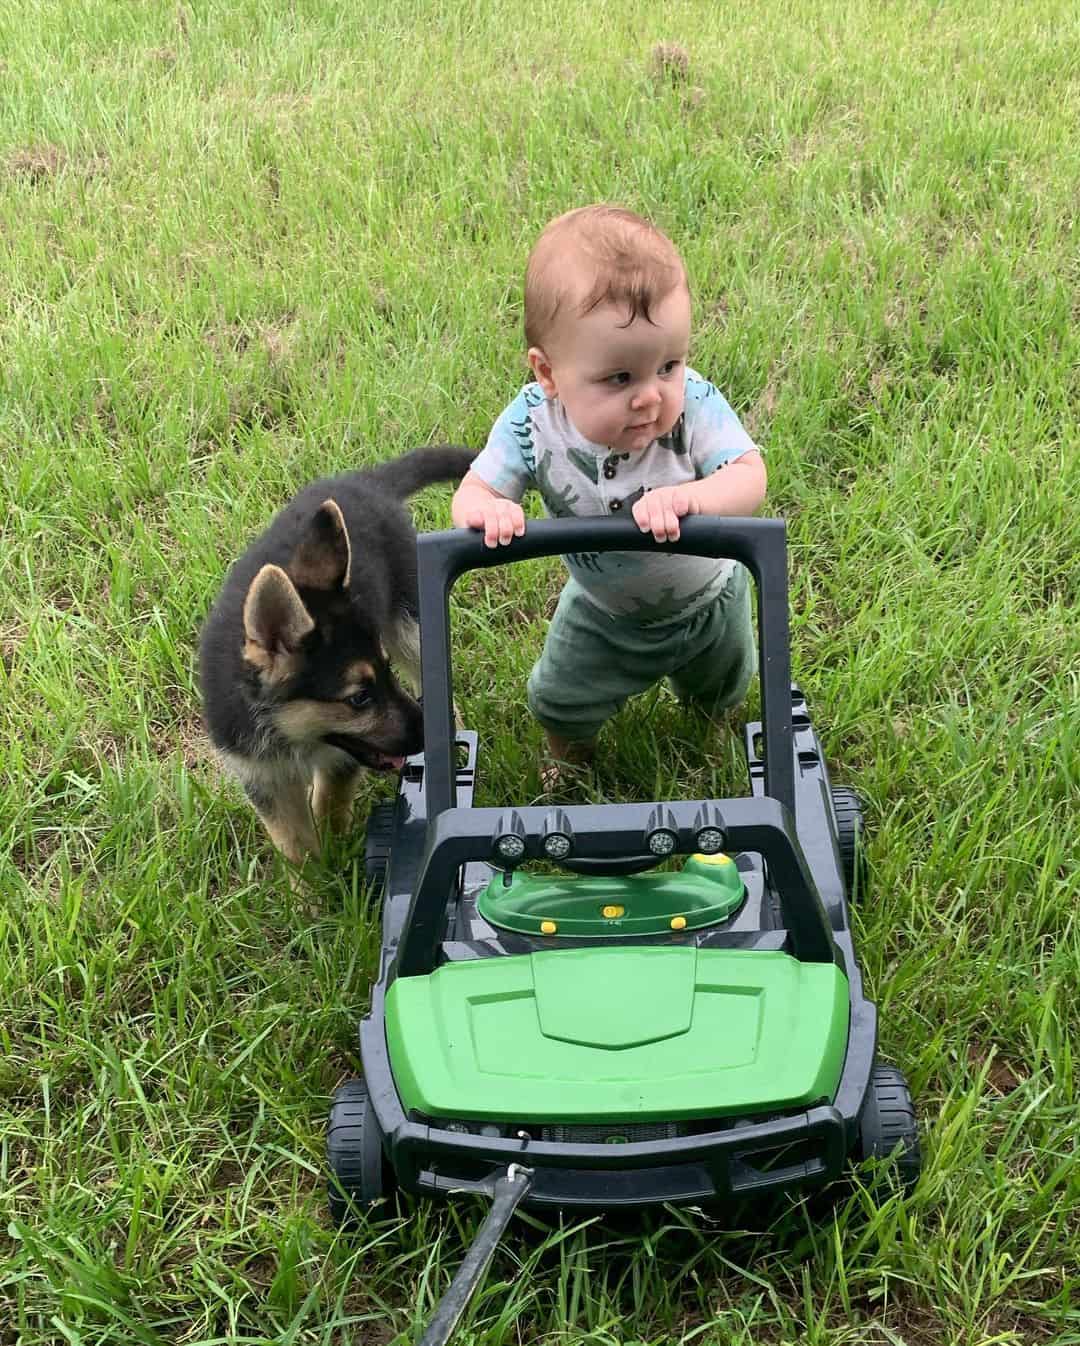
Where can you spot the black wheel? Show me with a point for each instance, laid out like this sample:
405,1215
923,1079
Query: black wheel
887,1126
380,833
850,829
359,1173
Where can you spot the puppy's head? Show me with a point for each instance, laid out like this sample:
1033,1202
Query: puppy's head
318,658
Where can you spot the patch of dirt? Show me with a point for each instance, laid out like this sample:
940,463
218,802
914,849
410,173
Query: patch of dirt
564,73
231,338
30,859
879,384
373,1332
41,163
761,413
194,744
187,733
1001,1076
227,1174
670,62
37,162
275,339
278,340
1023,1328
12,636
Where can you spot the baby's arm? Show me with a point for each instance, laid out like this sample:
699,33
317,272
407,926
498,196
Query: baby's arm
737,488
476,505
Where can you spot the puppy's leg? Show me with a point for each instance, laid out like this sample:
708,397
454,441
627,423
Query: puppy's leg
285,811
332,796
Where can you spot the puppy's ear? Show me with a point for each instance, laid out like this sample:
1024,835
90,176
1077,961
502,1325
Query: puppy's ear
275,623
322,556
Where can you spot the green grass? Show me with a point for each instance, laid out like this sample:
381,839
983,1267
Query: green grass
245,244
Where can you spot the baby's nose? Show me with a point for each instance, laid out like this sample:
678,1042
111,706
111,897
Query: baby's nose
646,395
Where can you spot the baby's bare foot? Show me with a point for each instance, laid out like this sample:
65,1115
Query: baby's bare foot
556,777
568,761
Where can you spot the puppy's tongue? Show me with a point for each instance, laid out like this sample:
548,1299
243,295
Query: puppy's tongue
395,763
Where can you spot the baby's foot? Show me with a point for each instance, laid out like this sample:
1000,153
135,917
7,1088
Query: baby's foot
723,715
568,761
556,777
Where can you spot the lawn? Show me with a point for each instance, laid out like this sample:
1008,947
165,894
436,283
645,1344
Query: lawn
245,244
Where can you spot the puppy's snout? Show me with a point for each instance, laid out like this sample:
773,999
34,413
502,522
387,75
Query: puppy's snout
403,723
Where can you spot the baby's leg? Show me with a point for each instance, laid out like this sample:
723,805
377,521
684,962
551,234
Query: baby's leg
587,670
718,674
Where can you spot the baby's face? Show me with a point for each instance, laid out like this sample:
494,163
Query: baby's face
621,386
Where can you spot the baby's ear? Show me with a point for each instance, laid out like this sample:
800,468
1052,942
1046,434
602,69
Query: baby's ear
541,368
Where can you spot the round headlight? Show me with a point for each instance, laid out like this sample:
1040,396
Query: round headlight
510,846
662,842
556,845
710,840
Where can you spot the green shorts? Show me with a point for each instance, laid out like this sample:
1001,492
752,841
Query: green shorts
592,662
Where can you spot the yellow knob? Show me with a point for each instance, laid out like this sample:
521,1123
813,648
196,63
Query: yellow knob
678,922
548,927
712,859
612,913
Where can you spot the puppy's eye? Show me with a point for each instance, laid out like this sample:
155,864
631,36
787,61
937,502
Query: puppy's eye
361,699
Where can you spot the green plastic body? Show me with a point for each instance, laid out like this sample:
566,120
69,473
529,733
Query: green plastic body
706,890
618,1033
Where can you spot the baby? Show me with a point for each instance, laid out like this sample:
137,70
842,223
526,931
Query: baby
617,423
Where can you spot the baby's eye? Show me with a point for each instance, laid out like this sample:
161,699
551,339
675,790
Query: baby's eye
619,380
668,369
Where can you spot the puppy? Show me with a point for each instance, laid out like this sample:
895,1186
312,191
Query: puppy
294,660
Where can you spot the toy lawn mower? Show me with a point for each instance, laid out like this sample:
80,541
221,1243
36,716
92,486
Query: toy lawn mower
602,1036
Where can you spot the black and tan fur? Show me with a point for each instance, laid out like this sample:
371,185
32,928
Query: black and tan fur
294,661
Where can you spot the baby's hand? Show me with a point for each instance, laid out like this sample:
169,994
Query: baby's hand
500,519
658,512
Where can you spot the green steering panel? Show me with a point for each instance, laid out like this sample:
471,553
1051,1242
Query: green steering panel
615,1033
706,890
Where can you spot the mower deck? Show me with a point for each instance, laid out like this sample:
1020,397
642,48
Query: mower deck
567,1035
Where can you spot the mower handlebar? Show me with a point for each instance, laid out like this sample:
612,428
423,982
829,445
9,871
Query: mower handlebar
758,543
699,535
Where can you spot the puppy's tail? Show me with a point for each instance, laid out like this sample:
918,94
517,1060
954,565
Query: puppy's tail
421,467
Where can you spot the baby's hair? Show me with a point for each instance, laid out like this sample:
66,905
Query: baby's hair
634,266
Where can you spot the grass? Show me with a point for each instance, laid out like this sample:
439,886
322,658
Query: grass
245,244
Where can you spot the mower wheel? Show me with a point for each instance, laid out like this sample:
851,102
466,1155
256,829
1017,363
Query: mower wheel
887,1126
359,1174
380,833
850,829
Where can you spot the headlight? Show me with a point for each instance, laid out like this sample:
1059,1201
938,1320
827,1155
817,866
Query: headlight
558,839
509,838
662,842
556,845
510,846
710,840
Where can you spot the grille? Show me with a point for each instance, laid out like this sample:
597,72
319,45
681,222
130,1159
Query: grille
611,1133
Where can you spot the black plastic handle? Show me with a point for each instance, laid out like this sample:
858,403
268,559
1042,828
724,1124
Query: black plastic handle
745,540
760,544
